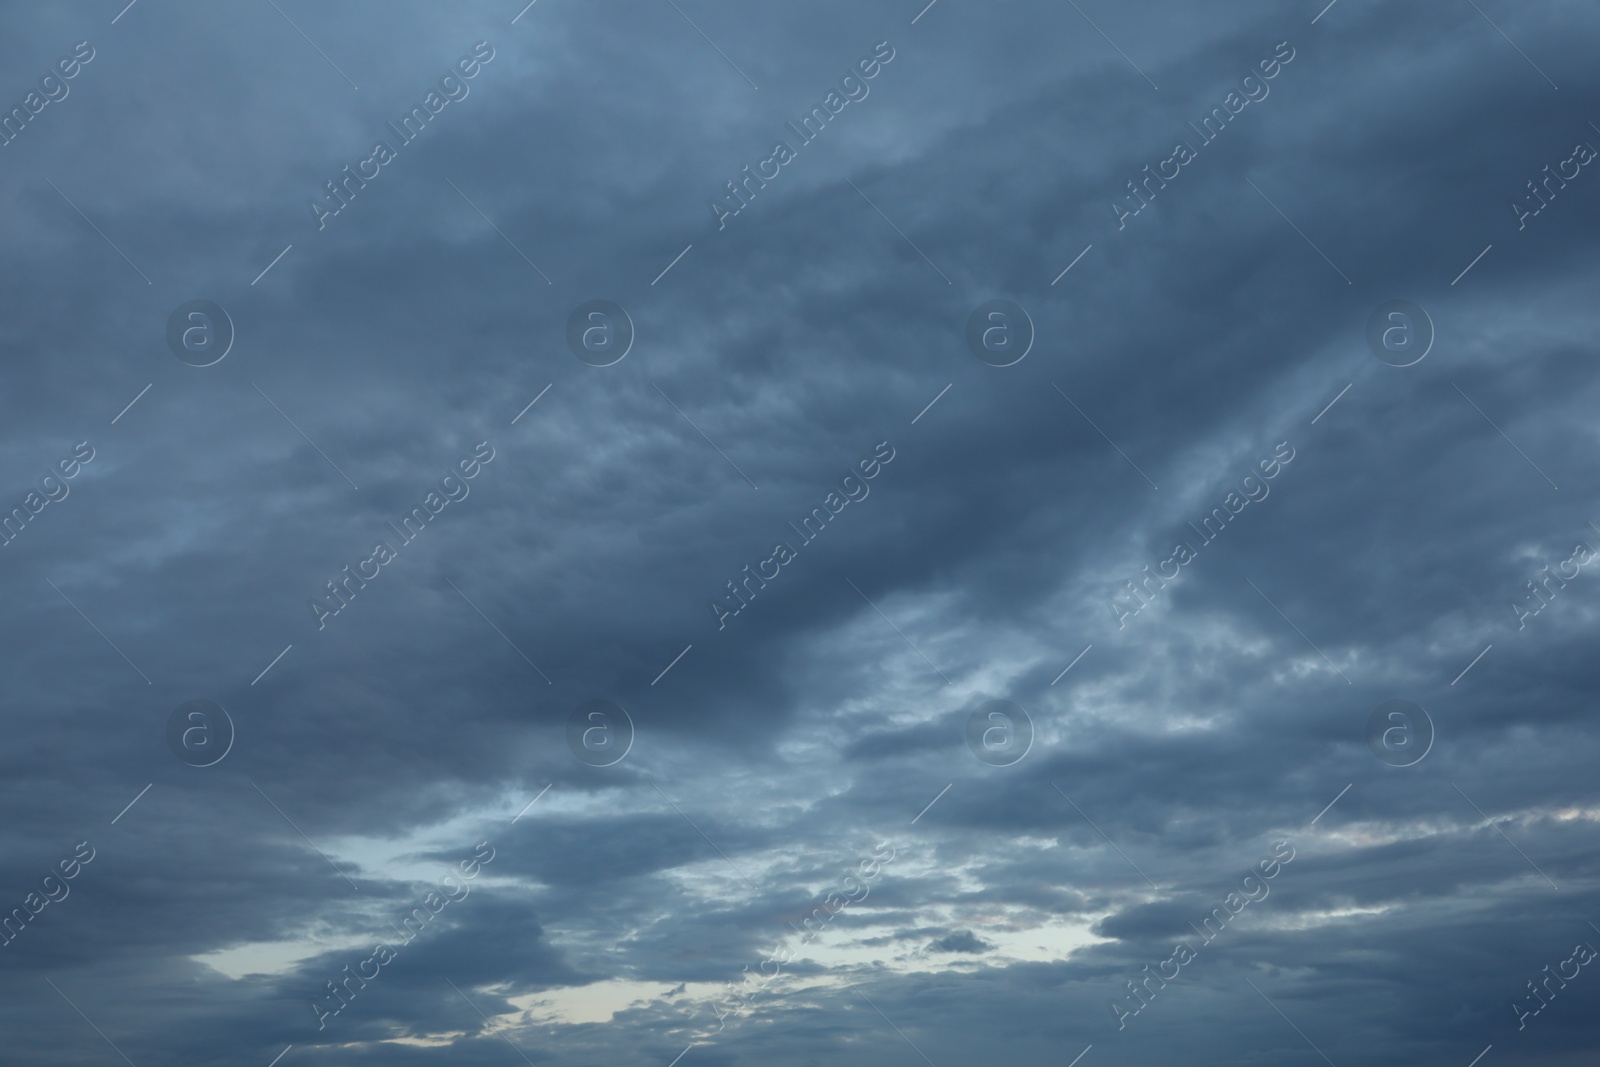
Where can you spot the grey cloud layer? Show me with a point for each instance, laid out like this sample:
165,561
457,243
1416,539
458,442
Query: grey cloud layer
997,141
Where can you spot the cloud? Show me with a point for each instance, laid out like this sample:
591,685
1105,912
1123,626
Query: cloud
960,941
630,907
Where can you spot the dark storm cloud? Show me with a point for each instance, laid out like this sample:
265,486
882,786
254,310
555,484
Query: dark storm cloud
774,756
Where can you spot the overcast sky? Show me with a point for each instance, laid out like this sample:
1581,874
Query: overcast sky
1197,380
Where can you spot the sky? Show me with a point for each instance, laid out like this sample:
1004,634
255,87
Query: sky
654,532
